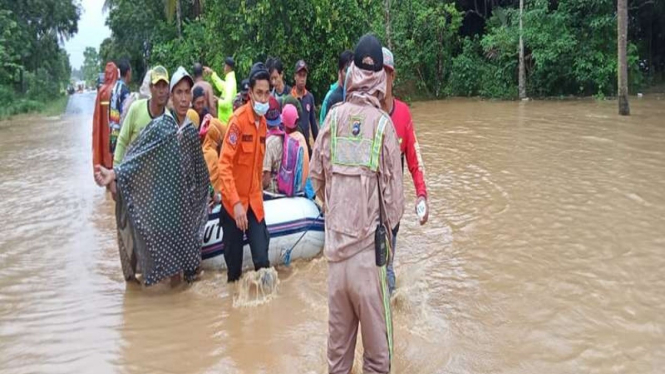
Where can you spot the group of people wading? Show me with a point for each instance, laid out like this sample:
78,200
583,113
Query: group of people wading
168,151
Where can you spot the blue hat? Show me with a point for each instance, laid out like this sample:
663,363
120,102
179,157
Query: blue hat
274,122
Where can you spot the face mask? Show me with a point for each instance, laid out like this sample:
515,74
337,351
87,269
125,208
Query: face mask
261,108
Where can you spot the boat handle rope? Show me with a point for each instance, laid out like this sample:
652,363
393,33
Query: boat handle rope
287,255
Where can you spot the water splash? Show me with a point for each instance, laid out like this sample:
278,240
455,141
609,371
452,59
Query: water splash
256,288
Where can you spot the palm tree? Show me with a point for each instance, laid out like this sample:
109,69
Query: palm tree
386,6
171,7
174,6
622,19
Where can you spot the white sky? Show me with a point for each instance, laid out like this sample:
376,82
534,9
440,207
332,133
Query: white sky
92,31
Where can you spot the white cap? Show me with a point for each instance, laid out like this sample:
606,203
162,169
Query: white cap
179,75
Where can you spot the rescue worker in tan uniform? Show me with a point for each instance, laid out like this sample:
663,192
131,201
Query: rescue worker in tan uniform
355,163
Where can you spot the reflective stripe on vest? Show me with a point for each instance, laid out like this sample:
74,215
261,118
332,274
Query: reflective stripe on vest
357,151
378,142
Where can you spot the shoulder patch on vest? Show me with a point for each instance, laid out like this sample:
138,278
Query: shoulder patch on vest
234,133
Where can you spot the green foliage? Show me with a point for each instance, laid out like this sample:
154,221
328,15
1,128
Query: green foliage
316,31
111,50
7,95
13,104
570,49
570,45
33,66
424,36
474,74
133,24
250,31
467,70
19,107
9,51
91,65
186,51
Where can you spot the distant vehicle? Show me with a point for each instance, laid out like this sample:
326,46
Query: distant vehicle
70,90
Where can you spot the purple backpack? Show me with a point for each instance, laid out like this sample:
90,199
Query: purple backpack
289,178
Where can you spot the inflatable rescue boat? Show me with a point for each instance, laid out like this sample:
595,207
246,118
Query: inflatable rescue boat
295,224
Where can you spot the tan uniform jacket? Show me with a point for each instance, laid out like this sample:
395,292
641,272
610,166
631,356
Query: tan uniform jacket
342,173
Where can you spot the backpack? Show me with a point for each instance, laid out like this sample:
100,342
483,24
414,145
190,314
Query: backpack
289,178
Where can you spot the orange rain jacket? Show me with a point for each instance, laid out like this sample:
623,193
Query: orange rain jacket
241,162
101,154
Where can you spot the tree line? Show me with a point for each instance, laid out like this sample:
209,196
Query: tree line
34,68
442,47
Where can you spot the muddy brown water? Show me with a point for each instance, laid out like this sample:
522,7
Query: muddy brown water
544,253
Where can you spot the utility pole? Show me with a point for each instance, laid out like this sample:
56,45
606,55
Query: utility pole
179,17
522,72
622,15
386,6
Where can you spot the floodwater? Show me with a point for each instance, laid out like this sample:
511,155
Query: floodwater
544,253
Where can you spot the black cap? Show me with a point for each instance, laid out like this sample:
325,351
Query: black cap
368,54
229,61
244,85
197,92
257,68
301,65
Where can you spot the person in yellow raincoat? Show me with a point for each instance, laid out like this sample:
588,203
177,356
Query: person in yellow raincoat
228,88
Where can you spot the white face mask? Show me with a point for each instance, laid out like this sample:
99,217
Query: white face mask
261,108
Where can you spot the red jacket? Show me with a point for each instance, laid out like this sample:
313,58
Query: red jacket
401,117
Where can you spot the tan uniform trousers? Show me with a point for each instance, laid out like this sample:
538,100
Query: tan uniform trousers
358,292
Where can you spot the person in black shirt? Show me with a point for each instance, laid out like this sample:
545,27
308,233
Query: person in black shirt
308,117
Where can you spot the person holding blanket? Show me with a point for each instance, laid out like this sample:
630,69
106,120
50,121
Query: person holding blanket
162,188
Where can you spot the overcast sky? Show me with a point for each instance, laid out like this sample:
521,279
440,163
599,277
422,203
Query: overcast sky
92,31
